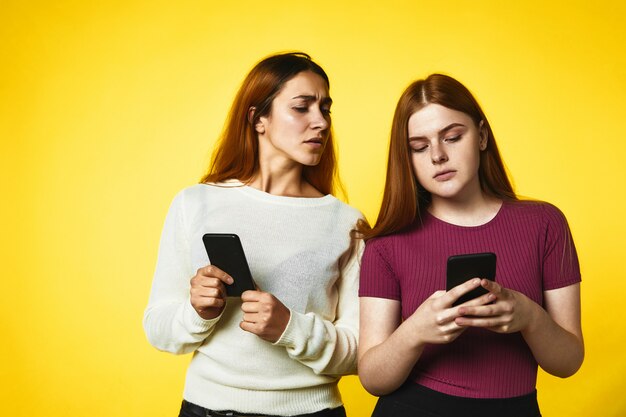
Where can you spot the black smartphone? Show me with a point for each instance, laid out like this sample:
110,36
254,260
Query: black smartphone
226,253
465,267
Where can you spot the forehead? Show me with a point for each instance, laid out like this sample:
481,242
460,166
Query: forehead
432,118
305,83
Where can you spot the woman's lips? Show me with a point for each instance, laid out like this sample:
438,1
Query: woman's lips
444,175
315,142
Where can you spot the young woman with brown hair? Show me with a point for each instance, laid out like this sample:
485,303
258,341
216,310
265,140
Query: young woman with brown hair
281,349
447,193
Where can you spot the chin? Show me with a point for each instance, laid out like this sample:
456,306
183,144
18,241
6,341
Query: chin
444,194
311,164
310,161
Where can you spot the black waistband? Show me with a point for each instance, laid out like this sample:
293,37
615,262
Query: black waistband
199,411
440,404
204,412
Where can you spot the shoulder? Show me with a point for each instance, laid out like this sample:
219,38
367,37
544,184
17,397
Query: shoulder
199,192
535,208
192,191
340,211
198,198
535,214
348,210
402,237
381,245
188,195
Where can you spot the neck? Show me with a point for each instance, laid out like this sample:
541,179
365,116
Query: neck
284,180
473,211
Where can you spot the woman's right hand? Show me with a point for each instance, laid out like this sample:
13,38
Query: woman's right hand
389,348
208,294
434,319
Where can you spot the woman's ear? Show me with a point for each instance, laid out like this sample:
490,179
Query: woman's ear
258,126
482,131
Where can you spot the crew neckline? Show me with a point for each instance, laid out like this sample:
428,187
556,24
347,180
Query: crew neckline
477,227
272,198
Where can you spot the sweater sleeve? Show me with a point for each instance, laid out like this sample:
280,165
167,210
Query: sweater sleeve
329,347
170,322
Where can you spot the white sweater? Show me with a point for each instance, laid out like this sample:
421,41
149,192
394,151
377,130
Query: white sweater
299,249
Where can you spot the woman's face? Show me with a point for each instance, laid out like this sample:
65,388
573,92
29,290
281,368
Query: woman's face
445,147
297,126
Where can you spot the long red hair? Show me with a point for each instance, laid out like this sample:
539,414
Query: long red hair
236,155
404,199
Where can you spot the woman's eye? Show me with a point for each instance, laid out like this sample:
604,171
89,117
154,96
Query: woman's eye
453,138
301,109
325,110
418,149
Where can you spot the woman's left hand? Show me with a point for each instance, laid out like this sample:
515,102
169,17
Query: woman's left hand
264,315
510,312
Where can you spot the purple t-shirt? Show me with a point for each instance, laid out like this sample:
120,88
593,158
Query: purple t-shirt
535,252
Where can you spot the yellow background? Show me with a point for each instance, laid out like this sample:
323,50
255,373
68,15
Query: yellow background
107,110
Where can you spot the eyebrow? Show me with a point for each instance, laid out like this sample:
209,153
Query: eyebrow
442,131
308,97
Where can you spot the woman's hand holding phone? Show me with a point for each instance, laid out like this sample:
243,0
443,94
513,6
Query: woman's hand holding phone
264,315
435,320
506,311
510,312
208,294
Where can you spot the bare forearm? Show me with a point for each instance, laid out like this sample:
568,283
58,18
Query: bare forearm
385,367
558,351
390,348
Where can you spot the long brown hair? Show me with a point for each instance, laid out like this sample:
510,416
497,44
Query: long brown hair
236,156
404,199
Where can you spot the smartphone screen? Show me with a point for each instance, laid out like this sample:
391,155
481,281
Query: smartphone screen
461,268
226,253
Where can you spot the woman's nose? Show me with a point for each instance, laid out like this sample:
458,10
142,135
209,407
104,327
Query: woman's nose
320,120
438,155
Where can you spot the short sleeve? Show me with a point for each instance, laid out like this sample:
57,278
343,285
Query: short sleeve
560,260
377,277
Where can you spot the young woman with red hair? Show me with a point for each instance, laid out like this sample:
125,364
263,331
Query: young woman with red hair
281,349
447,193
